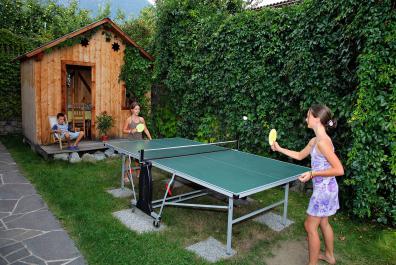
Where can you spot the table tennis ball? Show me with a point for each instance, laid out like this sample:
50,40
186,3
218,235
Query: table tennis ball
245,118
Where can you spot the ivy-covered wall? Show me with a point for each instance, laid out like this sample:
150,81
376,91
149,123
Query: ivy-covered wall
219,62
24,26
11,46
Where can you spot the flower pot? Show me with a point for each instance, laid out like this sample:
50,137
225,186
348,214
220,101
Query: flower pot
105,138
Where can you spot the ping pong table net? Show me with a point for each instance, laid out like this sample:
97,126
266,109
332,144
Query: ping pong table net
187,150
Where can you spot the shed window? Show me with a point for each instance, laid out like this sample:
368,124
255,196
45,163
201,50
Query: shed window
126,99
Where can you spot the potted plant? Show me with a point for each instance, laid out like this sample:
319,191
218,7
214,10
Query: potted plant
104,123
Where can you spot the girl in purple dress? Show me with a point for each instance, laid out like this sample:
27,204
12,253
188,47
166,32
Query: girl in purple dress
325,167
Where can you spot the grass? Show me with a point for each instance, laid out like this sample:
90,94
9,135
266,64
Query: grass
75,193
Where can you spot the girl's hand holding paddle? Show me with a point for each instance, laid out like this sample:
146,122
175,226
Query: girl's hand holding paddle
276,147
140,127
272,141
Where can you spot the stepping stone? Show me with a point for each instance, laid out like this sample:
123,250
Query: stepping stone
13,178
3,261
9,168
137,221
2,215
62,156
273,221
74,158
5,155
33,260
110,153
4,251
28,234
120,193
5,160
12,217
7,205
22,253
15,191
57,262
99,156
87,157
77,261
39,220
12,233
6,242
29,204
55,245
211,250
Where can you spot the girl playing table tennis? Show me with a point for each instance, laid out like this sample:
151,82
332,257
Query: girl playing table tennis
133,121
325,167
131,127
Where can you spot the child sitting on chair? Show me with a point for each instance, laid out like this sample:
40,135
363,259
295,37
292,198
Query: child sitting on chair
61,130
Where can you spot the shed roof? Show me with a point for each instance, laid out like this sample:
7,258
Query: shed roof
75,33
281,3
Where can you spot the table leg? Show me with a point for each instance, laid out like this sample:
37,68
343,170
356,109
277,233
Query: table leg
285,203
123,171
229,225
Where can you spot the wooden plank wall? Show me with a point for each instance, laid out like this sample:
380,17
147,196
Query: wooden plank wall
106,88
28,95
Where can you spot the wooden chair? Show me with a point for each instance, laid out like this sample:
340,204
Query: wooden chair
54,138
78,111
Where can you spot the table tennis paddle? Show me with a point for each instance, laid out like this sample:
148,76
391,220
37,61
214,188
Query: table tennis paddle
272,137
140,127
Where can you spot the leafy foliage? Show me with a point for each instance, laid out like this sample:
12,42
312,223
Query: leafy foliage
24,26
219,63
10,93
104,122
137,71
137,76
42,21
216,61
141,29
372,157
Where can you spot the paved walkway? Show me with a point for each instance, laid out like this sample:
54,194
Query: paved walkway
29,233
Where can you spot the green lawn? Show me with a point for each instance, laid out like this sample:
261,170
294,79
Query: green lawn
76,195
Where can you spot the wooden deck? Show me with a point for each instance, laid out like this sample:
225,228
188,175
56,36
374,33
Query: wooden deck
83,147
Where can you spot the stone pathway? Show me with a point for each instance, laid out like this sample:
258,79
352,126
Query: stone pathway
29,233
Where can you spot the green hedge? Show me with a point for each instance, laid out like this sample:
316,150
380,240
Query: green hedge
44,21
219,62
11,45
137,76
371,160
26,25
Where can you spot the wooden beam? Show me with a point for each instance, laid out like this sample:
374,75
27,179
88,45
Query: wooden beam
93,101
84,81
78,63
39,56
64,88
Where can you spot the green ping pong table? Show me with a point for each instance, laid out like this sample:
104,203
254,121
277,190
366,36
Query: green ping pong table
213,167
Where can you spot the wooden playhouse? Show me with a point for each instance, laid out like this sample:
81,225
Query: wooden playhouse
82,77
